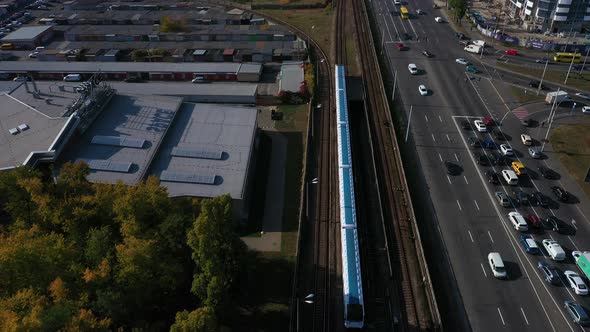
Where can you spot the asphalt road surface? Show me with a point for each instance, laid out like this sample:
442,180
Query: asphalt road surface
471,222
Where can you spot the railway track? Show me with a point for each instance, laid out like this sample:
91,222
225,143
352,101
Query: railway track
394,195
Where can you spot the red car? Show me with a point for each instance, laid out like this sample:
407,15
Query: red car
400,46
534,221
488,121
511,52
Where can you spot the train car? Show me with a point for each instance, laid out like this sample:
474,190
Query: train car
354,308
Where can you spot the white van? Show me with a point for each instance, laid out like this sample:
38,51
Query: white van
497,265
518,221
73,78
510,177
526,139
554,250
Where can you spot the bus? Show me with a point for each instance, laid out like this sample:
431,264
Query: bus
567,57
404,12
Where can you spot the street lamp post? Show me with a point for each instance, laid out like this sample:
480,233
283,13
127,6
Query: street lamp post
542,77
585,58
409,120
570,68
394,82
550,119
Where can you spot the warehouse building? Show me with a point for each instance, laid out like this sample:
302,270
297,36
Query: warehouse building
184,71
29,37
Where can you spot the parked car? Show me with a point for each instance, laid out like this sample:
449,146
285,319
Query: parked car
554,223
529,244
534,221
492,177
480,126
518,221
548,272
474,142
577,313
576,282
498,134
506,150
502,198
561,194
521,197
534,152
540,199
480,159
462,61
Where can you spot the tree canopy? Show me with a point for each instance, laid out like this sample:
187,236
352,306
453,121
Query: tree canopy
93,257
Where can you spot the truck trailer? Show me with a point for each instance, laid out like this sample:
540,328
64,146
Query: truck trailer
556,97
473,49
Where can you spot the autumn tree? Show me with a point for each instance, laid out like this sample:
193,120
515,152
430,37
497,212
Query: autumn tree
201,319
217,252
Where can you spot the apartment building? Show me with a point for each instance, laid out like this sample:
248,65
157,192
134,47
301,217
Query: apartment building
556,16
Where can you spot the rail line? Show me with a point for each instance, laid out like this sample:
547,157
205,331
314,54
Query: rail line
394,194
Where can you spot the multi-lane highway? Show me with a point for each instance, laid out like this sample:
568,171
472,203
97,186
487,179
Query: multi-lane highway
471,222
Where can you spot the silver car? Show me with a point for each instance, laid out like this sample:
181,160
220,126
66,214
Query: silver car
534,153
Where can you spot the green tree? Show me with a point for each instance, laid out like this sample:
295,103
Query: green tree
167,24
459,9
29,258
202,320
217,251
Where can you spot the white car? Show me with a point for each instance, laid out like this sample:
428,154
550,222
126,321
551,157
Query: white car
423,90
462,61
576,282
518,221
506,150
413,69
526,139
438,19
586,109
397,2
480,126
33,55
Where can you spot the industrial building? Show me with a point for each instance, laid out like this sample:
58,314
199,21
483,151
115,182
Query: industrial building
195,149
29,37
241,72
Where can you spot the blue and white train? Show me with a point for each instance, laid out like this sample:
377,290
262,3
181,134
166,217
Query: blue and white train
354,307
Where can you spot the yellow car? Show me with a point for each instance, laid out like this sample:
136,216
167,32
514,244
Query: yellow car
518,168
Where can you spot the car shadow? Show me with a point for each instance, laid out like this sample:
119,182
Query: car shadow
572,199
513,270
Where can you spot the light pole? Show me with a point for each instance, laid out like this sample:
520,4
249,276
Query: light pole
550,118
570,68
309,299
585,58
394,82
409,120
542,77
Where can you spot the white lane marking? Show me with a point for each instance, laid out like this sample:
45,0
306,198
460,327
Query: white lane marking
458,204
426,117
579,210
574,224
502,318
456,158
471,237
572,241
448,139
412,26
449,179
523,315
477,206
484,270
434,139
440,157
551,236
517,248
464,177
440,118
491,238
